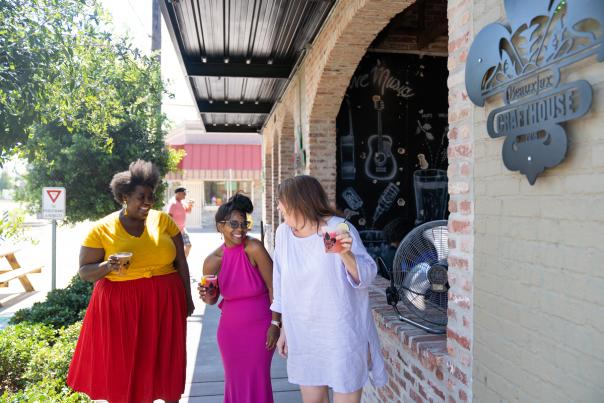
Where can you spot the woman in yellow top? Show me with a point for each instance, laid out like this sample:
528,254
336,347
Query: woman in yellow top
132,344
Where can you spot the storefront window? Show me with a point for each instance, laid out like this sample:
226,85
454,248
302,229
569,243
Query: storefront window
217,193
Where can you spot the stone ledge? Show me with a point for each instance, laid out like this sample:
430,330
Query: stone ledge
429,349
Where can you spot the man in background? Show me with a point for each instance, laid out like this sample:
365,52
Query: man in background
178,209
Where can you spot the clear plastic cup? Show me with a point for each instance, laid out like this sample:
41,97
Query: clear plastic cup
332,245
124,258
210,282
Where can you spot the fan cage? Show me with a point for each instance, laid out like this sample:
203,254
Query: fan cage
420,255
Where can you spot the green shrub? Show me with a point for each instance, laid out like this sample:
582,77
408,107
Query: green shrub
47,390
34,361
17,346
52,361
62,307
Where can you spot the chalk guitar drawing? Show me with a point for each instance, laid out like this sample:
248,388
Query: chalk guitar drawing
347,162
380,164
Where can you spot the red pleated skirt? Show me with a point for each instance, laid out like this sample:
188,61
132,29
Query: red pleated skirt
132,347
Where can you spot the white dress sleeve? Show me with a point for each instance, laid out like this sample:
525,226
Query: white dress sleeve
366,266
276,305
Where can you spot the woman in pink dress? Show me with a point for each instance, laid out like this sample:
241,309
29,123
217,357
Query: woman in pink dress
248,330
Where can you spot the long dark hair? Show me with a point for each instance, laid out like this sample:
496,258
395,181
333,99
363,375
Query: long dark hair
238,202
303,195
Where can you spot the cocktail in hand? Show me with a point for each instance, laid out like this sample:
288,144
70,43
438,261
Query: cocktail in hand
210,282
124,261
332,244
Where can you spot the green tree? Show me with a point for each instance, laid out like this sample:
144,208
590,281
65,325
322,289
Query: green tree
35,39
100,108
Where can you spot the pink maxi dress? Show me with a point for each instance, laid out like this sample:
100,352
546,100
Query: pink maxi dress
242,329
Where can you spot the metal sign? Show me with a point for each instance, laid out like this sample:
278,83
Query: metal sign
522,60
53,203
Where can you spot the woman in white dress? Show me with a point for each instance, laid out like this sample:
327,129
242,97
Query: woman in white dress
328,335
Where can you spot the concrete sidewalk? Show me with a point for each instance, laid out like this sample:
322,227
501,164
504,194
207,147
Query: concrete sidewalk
205,374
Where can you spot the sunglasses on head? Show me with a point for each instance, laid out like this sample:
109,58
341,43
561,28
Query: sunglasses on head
237,224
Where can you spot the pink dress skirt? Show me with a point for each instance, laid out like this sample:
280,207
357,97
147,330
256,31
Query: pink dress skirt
242,329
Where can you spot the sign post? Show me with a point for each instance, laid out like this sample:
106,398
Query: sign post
53,207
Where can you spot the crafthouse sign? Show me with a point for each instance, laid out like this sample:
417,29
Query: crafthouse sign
522,60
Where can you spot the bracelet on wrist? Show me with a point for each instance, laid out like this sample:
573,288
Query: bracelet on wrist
276,323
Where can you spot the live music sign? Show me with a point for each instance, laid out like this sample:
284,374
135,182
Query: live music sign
53,203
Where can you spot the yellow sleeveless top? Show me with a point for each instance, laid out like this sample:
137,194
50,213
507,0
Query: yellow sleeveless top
153,253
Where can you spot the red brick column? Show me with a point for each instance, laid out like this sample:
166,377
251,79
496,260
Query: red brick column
275,179
268,205
461,206
286,148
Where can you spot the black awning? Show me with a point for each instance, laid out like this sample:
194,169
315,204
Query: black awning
239,54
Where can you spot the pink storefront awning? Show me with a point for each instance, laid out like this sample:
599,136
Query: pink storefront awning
239,157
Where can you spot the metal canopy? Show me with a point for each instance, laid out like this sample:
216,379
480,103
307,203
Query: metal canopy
239,54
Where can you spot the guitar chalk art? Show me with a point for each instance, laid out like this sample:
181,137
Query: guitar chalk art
380,164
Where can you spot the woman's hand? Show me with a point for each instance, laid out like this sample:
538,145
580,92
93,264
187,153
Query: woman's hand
272,334
346,242
204,294
282,344
112,263
190,306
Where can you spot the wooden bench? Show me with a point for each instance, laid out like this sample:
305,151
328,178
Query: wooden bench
16,271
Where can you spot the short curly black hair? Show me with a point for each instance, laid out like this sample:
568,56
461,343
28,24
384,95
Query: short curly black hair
140,173
239,202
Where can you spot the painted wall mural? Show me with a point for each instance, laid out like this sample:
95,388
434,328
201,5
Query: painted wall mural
393,121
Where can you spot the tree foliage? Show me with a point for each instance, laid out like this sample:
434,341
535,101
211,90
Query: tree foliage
34,42
78,104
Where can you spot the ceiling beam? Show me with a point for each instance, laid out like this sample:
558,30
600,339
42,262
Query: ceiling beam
252,70
232,128
233,107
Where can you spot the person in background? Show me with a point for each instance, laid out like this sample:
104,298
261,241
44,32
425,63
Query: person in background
328,334
132,346
248,330
178,209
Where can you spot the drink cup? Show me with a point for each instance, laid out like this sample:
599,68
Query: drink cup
332,245
210,282
124,259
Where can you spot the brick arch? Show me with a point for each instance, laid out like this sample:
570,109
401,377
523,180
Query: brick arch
341,45
355,31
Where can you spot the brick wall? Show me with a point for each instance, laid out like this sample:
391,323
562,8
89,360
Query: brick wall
539,253
267,188
415,360
461,208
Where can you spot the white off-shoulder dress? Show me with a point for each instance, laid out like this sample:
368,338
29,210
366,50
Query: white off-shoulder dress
326,314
